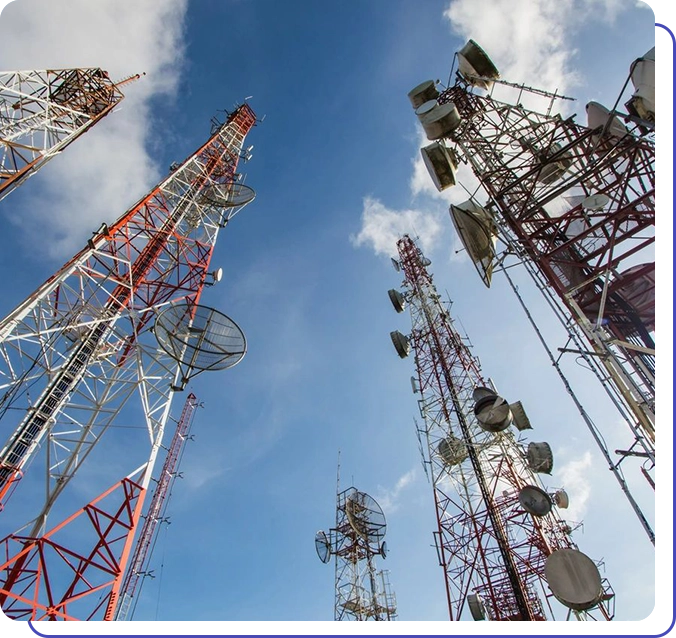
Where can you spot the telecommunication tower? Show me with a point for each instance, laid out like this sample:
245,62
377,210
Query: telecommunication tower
575,205
109,339
41,112
362,592
505,552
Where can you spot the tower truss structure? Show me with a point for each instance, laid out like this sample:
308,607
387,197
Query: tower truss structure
575,205
79,356
362,592
494,546
41,112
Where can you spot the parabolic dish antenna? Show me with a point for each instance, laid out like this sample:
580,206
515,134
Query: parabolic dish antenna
383,549
397,300
535,500
476,607
395,264
441,165
540,457
474,63
365,517
400,343
479,234
228,195
424,92
595,202
323,547
493,413
200,337
574,579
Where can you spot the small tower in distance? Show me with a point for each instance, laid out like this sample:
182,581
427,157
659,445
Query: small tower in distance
362,592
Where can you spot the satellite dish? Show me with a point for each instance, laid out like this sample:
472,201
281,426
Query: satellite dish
453,451
365,517
478,233
401,343
574,579
397,300
476,67
422,93
481,392
440,121
535,500
383,549
595,202
425,262
395,264
540,457
414,386
476,607
493,413
561,499
323,547
440,164
199,338
217,274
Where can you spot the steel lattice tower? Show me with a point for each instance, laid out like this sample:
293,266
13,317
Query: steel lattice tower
497,531
575,205
41,112
81,354
362,592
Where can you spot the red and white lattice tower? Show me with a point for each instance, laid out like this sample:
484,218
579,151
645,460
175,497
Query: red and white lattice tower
575,205
140,559
505,551
81,355
41,112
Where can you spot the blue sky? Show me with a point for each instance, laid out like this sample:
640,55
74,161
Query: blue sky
306,273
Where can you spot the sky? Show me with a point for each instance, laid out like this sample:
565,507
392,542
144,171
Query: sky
307,267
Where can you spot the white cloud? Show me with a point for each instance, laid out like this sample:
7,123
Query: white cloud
101,174
574,477
382,227
389,499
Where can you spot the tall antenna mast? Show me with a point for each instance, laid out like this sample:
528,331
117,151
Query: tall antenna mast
42,112
81,354
505,552
575,205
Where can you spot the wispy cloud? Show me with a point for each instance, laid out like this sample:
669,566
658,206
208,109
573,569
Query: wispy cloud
100,175
381,227
389,499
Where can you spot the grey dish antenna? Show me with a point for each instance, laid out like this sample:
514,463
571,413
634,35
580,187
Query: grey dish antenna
478,233
397,300
365,517
400,343
476,67
199,338
574,579
535,500
323,546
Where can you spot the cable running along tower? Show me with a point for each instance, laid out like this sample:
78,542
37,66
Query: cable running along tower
575,206
505,552
108,340
41,112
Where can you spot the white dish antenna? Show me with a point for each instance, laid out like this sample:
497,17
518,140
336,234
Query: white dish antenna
642,102
561,499
397,300
401,343
441,164
535,500
574,579
479,234
595,202
424,92
440,121
540,457
476,67
395,264
555,169
598,116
